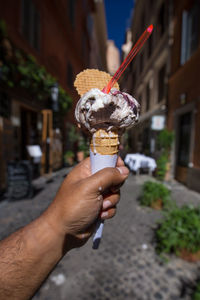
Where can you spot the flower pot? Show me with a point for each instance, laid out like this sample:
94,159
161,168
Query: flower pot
80,156
158,205
70,160
189,256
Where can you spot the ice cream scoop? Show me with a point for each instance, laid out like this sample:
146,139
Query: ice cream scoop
114,111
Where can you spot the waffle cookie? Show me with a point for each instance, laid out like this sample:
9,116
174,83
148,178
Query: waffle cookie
92,78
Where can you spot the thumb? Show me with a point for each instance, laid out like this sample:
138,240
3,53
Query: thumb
108,177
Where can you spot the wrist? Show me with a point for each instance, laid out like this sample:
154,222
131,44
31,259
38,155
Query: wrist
53,222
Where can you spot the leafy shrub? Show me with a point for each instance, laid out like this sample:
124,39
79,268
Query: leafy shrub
180,230
164,142
165,139
22,69
196,294
69,154
69,157
153,192
161,167
83,145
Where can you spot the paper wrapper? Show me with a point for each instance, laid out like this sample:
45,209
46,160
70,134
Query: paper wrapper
103,153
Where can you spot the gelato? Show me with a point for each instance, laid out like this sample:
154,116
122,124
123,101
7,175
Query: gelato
114,111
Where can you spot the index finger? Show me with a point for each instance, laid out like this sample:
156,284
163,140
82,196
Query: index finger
120,162
107,178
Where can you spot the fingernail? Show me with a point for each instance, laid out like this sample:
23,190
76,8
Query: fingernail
104,214
123,170
106,204
115,189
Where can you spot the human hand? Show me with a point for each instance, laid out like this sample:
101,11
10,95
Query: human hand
84,197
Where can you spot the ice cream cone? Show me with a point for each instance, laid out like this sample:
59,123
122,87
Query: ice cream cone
105,143
103,149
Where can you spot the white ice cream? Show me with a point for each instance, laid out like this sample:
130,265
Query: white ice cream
116,110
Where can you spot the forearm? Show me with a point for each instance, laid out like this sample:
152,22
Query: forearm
27,257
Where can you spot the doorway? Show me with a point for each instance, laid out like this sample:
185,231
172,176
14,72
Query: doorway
29,133
183,146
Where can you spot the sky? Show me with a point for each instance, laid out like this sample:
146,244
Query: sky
118,13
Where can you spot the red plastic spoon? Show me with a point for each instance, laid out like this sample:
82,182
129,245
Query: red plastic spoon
146,34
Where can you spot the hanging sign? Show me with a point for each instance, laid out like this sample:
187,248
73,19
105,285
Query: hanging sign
158,122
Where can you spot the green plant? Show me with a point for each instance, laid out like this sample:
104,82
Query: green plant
153,192
69,157
196,294
73,135
82,145
69,153
161,166
164,142
165,139
3,29
22,69
179,230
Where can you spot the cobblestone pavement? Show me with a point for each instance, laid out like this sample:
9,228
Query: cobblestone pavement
126,265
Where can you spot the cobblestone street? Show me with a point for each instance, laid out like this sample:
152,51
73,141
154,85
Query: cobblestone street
126,265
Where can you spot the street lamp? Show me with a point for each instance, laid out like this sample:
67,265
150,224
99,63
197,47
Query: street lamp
54,97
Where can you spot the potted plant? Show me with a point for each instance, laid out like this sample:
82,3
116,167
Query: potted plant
81,152
196,293
179,233
155,195
164,142
69,158
162,166
82,148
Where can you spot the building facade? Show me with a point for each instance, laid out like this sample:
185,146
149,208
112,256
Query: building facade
147,75
184,92
99,37
113,57
54,38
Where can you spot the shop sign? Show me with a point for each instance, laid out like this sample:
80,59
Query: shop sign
158,122
19,180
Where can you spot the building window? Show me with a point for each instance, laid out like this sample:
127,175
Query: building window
5,105
70,75
133,74
71,11
143,22
31,23
89,24
161,83
190,32
185,123
150,46
84,46
147,97
161,20
139,98
141,63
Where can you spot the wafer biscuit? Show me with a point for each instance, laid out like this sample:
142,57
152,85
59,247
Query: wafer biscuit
92,78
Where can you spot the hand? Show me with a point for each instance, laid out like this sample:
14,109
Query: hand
83,197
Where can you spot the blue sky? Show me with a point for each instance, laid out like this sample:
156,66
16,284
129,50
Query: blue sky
118,13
